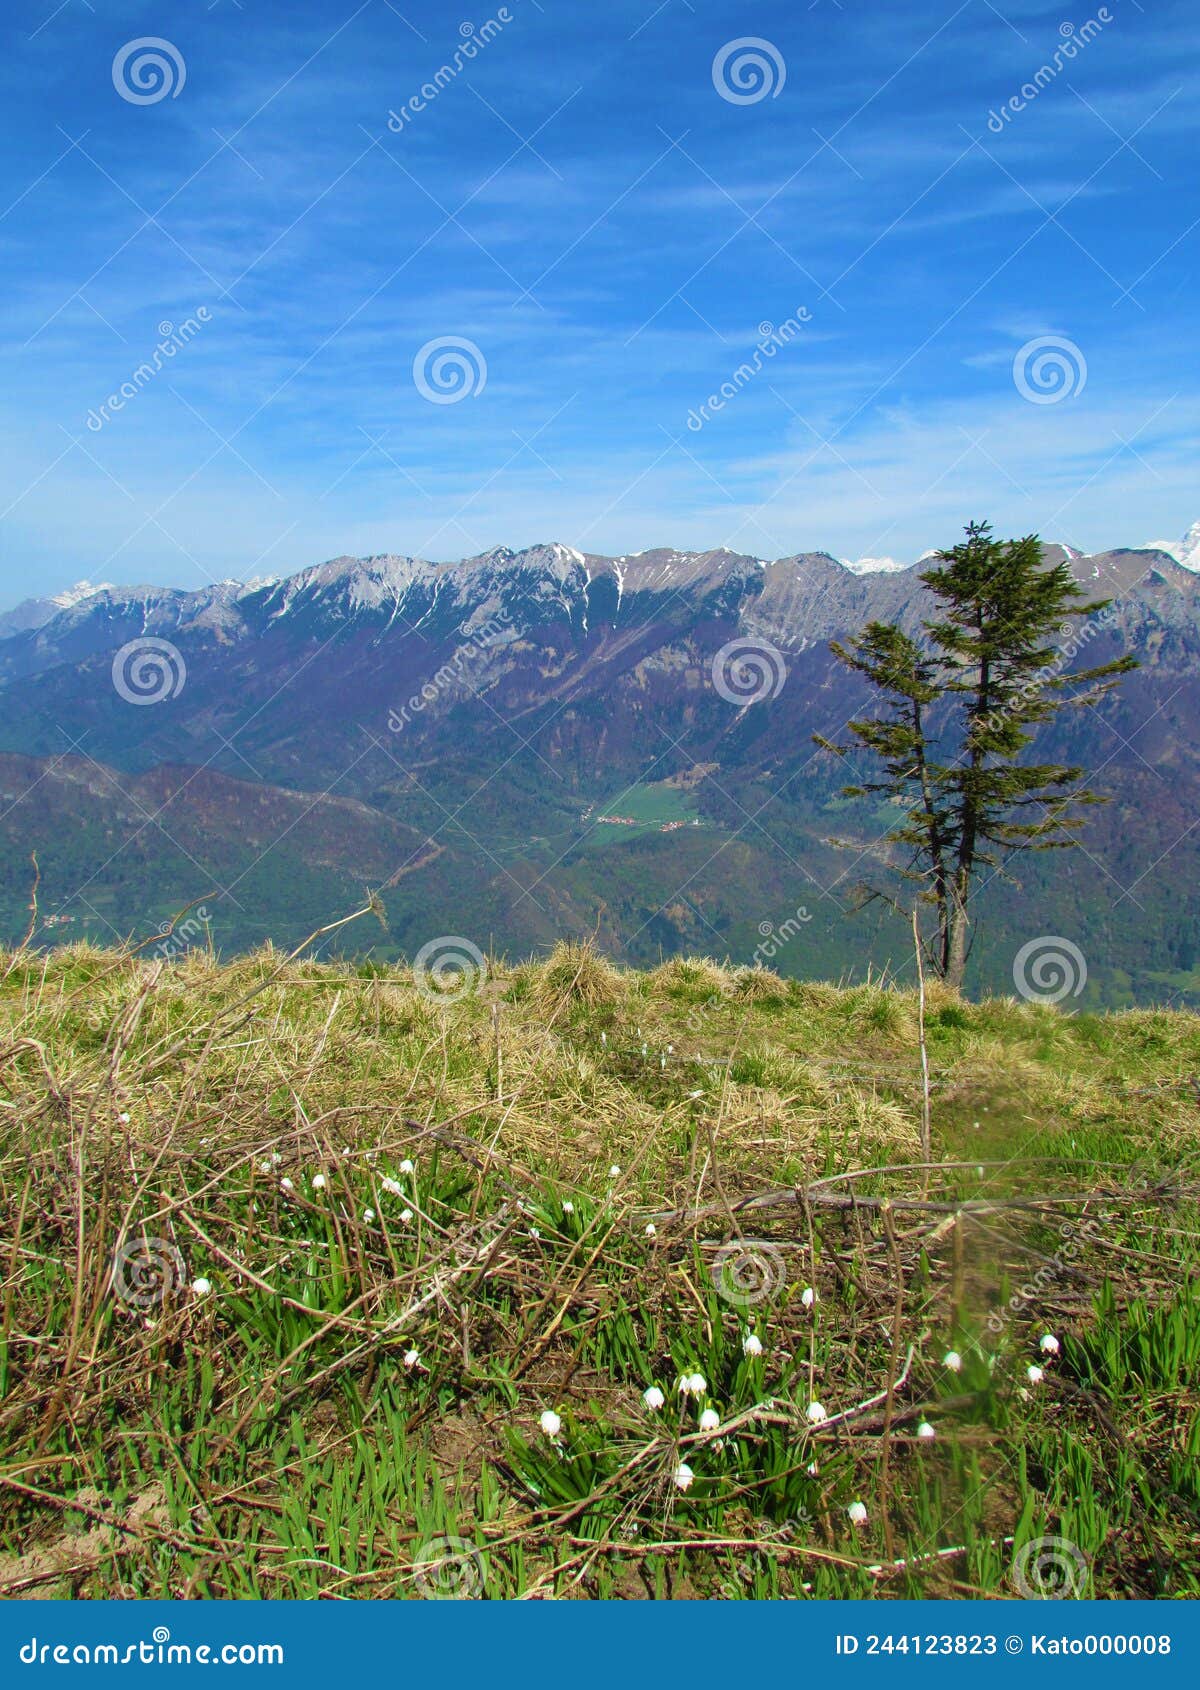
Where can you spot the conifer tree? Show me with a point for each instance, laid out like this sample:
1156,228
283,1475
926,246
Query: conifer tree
958,709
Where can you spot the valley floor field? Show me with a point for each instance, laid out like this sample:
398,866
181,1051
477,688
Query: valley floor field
588,1283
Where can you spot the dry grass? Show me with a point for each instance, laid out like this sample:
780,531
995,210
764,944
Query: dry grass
592,1150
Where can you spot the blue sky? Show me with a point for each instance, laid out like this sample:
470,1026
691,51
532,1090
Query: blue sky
583,204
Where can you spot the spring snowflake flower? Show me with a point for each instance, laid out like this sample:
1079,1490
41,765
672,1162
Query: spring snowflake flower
124,1119
276,1158
392,1187
857,1513
812,1469
368,1215
651,1230
285,1184
1049,1344
953,1361
709,1420
568,1208
653,1398
318,1183
411,1358
534,1233
697,1384
808,1297
406,1167
550,1423
201,1287
752,1344
683,1476
925,1430
406,1215
1034,1375
264,1167
614,1172
816,1413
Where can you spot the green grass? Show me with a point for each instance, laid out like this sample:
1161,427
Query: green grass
353,1408
648,805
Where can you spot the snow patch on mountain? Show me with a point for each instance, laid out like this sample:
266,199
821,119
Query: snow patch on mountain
1185,552
81,590
873,565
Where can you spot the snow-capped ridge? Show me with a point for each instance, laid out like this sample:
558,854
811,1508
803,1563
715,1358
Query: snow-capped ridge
1185,552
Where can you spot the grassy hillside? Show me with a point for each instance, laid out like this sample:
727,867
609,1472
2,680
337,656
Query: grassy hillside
296,1259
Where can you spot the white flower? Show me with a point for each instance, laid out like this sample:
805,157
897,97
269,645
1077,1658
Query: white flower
406,1167
812,1469
534,1233
405,1216
953,1361
857,1513
124,1119
697,1384
392,1187
1049,1344
568,1208
285,1184
550,1423
1034,1375
651,1230
816,1413
318,1183
695,1094
808,1297
345,1150
368,1215
264,1167
683,1476
201,1287
276,1158
709,1420
925,1430
411,1357
653,1398
614,1172
752,1344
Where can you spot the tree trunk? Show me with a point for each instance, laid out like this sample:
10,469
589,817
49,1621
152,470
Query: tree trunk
956,950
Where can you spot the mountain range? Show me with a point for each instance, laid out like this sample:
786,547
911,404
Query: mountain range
527,744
